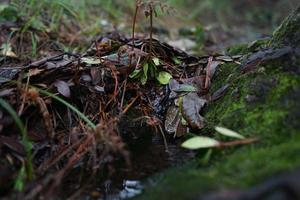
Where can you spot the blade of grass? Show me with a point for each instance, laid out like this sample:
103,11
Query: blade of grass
74,109
27,144
14,115
19,182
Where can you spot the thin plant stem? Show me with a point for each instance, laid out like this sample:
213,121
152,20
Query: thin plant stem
134,22
151,29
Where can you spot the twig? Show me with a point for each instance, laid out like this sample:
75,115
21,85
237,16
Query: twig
164,138
207,79
124,91
237,142
129,105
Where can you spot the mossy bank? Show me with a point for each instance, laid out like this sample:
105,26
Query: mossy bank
262,103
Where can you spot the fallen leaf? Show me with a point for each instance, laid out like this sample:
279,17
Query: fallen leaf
264,55
91,60
13,144
181,129
220,92
86,78
199,142
196,81
228,132
175,86
34,71
7,92
7,74
192,104
99,89
224,58
63,88
96,75
213,68
172,119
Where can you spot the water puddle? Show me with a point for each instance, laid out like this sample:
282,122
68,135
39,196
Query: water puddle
148,158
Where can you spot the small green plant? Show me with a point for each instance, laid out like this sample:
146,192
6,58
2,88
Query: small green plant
150,70
151,63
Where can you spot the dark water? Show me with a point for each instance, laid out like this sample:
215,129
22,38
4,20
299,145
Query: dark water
149,156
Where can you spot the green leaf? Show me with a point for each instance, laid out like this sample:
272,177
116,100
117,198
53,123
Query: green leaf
144,77
228,132
91,60
176,61
134,73
153,70
38,25
19,182
145,69
8,13
164,77
156,61
186,88
199,142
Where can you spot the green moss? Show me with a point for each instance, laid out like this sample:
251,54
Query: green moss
242,49
258,44
288,33
237,49
247,166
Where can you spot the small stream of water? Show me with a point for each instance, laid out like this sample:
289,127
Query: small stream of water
149,157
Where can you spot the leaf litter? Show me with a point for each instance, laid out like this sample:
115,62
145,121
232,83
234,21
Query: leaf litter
74,103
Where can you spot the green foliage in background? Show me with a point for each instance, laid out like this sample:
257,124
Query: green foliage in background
89,15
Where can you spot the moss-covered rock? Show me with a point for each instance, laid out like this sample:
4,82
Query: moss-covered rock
288,33
264,104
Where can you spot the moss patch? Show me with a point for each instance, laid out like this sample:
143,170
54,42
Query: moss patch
247,166
288,33
257,104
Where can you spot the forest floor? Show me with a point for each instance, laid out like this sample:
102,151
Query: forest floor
91,109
